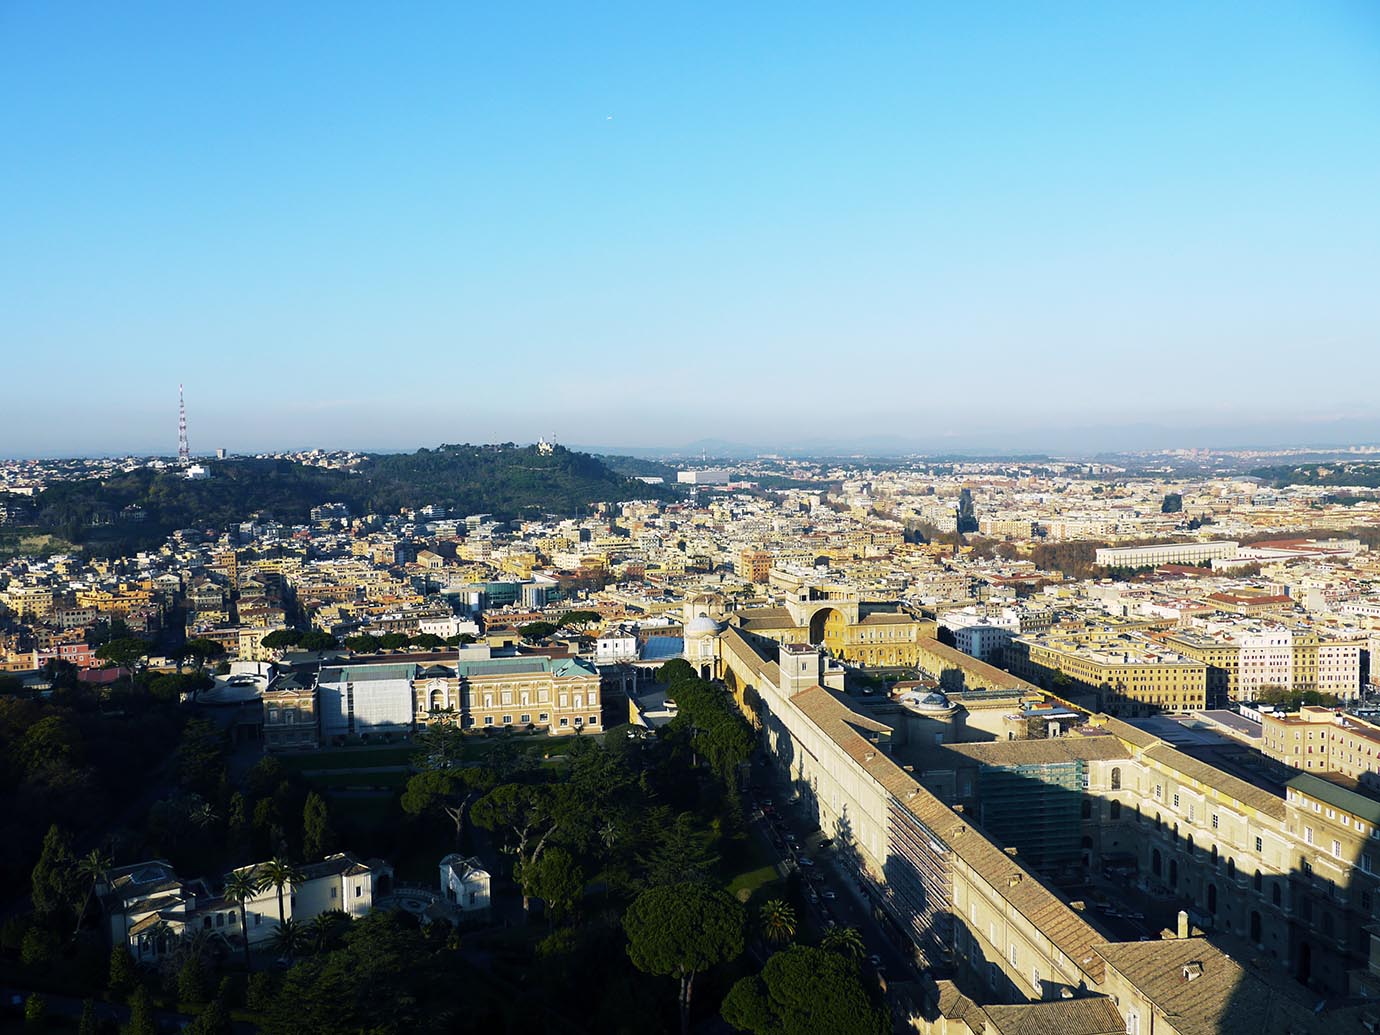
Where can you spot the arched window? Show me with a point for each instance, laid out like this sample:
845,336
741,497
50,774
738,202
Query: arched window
1274,894
1190,846
1212,899
1087,807
1258,881
1255,927
1116,810
1156,862
1174,873
1214,858
1231,869
1116,778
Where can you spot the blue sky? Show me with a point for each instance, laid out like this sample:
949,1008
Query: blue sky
393,225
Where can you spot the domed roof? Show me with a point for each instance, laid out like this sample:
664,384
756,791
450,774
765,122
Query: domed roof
702,625
934,701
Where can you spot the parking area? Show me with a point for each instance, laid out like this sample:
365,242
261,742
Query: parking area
833,896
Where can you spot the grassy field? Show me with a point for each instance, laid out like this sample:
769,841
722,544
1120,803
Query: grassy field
751,874
387,755
394,780
350,758
22,544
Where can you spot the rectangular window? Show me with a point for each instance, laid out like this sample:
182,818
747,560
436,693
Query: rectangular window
594,720
1308,835
1214,822
527,718
1259,845
1336,849
1176,801
507,720
488,720
565,721
359,890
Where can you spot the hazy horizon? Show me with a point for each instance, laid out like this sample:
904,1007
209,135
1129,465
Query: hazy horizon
973,226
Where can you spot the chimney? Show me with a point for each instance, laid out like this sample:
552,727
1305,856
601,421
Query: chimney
1183,925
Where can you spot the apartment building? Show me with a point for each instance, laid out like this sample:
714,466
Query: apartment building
754,566
1127,671
1246,657
1324,740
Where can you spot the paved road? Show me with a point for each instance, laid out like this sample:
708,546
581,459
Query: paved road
849,907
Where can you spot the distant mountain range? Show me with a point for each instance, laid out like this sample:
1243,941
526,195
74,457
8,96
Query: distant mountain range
1323,436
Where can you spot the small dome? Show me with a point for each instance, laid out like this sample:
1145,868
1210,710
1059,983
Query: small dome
702,625
930,702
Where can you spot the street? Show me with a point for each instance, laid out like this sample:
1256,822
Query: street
832,894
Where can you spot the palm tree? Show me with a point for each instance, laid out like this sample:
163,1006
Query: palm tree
289,938
91,868
279,873
325,929
846,941
195,943
778,921
157,939
203,815
240,887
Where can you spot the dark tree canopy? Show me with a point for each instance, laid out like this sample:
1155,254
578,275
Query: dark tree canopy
801,991
681,930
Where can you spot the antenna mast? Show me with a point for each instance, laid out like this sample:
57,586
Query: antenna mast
184,453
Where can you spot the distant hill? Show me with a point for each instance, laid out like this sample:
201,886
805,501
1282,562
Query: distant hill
640,467
138,510
1334,473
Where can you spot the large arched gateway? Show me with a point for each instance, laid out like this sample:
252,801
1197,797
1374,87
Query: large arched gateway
827,626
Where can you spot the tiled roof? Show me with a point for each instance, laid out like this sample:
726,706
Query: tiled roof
1356,803
1223,998
367,673
1036,752
765,618
1092,1016
968,663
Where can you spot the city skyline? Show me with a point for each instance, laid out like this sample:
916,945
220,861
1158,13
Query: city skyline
983,229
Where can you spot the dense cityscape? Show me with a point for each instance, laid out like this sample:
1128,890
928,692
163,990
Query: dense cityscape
701,519
960,744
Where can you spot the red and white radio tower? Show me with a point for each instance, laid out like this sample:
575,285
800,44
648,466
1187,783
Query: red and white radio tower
184,452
